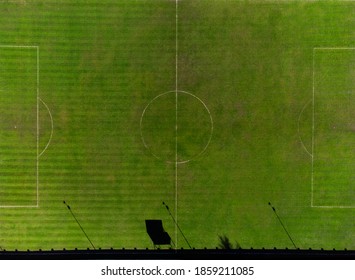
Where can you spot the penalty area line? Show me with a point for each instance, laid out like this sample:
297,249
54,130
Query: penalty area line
333,207
18,46
19,206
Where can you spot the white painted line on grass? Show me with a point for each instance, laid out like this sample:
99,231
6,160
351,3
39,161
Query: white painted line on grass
333,207
312,128
211,129
37,125
299,132
334,48
18,46
19,206
52,128
176,118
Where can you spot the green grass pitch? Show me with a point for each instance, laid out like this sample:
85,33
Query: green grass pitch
108,106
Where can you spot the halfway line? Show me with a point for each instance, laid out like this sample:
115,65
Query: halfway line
176,121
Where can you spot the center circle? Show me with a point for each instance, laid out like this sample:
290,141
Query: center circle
176,127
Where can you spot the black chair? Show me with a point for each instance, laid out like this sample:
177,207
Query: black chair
157,233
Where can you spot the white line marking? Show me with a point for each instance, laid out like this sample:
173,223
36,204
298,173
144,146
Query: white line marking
18,46
176,120
37,125
312,180
141,122
331,207
52,128
19,206
211,129
299,132
334,48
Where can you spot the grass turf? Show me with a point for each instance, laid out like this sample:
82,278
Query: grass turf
18,126
101,63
